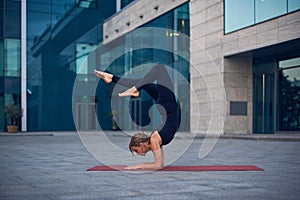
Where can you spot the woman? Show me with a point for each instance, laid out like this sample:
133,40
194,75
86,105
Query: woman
161,92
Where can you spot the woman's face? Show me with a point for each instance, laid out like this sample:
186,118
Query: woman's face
139,150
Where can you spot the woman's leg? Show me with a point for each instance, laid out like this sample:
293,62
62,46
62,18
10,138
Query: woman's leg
107,78
157,73
126,82
151,88
164,83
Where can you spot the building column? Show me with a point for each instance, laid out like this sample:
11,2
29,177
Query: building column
118,5
23,66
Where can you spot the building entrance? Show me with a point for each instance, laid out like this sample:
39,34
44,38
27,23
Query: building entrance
264,98
276,95
264,103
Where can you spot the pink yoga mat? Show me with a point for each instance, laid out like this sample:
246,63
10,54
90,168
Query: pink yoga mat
184,168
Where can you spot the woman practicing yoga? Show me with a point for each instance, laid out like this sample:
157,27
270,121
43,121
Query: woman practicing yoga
161,92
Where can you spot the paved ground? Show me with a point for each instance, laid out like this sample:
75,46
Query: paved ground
53,166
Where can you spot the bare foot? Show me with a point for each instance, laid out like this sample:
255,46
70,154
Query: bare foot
107,78
130,92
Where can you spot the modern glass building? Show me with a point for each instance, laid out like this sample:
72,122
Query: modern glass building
59,38
249,49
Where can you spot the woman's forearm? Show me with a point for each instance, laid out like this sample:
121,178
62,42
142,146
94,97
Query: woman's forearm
158,164
150,166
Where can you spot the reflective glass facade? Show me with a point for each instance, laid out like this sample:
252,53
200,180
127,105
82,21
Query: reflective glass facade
61,41
60,34
240,14
10,60
125,2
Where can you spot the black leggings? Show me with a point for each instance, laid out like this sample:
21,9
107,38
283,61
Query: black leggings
162,93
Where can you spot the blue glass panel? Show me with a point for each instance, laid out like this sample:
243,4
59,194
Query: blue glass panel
269,103
2,119
267,9
38,18
83,65
59,9
38,6
238,14
53,58
1,20
12,18
42,14
257,104
12,57
293,5
1,58
263,96
125,2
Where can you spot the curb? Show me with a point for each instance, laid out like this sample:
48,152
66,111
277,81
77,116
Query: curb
180,135
24,134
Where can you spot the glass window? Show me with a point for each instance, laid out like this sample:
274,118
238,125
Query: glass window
289,98
293,5
1,18
267,9
59,9
293,76
43,14
82,63
2,118
59,58
87,4
38,18
125,2
12,57
289,63
12,19
238,14
1,57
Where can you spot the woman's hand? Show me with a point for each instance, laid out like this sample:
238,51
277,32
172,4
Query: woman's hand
133,167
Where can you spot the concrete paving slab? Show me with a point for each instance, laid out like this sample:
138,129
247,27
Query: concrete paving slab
53,166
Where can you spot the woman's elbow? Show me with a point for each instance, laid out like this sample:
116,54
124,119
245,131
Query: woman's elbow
158,167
